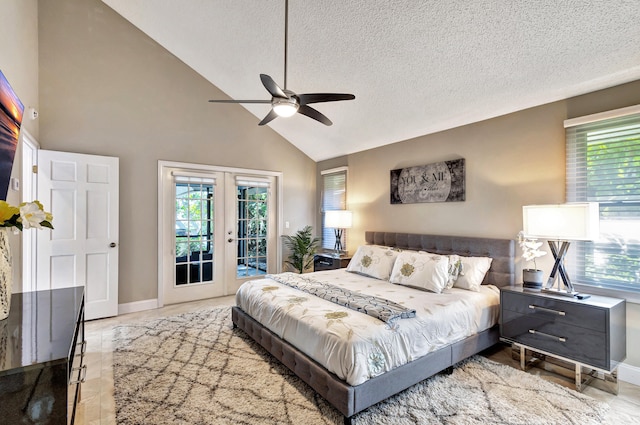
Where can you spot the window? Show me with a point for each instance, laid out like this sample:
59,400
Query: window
194,229
603,165
334,197
252,195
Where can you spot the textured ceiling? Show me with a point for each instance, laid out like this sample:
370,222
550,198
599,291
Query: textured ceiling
415,67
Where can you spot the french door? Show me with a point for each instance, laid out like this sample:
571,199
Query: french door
218,229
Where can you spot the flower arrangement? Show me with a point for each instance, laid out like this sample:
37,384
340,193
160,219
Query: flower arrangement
530,248
25,216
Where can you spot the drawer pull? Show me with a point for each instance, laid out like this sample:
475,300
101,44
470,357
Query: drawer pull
548,310
83,374
557,338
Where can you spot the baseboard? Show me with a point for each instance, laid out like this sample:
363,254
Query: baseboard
137,306
628,373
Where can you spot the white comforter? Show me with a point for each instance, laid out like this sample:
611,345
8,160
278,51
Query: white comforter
355,346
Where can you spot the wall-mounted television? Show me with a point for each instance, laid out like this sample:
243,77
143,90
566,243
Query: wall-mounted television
11,110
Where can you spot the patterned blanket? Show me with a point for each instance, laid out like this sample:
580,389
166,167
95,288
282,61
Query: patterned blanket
377,307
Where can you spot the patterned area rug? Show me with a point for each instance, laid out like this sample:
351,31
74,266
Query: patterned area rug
194,368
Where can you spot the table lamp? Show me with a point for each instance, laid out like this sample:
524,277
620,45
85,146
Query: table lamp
338,220
560,224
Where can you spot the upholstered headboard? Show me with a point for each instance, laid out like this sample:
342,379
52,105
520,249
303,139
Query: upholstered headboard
501,273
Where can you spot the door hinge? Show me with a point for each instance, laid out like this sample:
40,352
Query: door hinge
34,169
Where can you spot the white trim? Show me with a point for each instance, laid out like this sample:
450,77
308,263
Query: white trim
28,189
616,113
334,170
137,306
628,373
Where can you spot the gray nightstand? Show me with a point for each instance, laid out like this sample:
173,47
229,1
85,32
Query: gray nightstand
589,333
329,262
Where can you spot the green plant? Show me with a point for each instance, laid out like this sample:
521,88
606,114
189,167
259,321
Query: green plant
302,246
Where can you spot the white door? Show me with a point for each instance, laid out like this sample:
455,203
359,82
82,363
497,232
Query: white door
192,205
217,229
81,191
250,224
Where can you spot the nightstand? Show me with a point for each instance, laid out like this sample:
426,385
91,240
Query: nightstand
589,333
329,262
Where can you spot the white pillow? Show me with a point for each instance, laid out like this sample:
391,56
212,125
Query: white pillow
422,270
455,267
373,260
472,272
453,270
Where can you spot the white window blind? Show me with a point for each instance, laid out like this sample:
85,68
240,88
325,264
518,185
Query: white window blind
603,165
252,181
334,197
193,177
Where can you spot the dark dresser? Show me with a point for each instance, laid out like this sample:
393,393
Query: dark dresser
42,346
329,262
589,332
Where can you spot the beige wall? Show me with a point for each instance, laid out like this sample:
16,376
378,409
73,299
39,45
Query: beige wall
19,53
108,89
511,161
19,63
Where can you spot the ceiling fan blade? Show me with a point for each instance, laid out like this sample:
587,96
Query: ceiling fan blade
270,117
240,101
308,98
272,87
312,113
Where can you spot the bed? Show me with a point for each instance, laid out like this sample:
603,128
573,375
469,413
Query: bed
342,386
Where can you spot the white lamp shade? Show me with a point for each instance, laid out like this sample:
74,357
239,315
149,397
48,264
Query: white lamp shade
567,222
338,219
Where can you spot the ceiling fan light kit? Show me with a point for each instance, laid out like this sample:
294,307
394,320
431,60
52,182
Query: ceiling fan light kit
285,103
284,107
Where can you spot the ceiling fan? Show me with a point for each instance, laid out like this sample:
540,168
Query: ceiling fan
285,103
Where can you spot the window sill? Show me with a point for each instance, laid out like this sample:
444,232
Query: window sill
631,296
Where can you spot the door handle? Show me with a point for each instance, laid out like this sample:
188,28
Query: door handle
230,240
112,245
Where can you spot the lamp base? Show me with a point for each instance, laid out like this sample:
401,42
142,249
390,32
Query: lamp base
562,293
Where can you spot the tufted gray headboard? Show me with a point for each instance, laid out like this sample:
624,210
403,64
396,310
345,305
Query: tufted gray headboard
501,273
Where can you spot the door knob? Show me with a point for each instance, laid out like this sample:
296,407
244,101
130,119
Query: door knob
229,240
112,245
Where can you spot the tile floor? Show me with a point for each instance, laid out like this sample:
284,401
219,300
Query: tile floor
97,406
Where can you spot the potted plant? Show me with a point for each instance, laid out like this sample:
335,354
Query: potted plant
531,278
302,246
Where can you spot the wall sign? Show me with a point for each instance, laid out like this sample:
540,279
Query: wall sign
437,182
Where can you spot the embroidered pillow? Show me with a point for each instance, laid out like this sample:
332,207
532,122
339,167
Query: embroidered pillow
455,267
472,272
421,270
373,261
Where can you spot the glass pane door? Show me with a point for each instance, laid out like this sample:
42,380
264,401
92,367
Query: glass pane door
194,230
252,220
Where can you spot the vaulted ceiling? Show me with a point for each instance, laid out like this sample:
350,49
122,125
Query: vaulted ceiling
415,66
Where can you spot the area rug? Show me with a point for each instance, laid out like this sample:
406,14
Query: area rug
194,368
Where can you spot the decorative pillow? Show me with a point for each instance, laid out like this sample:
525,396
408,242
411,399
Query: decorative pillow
422,270
373,260
472,272
453,269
